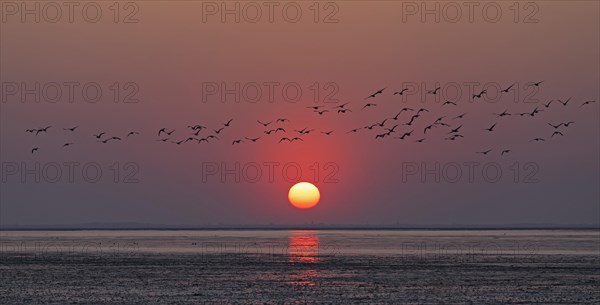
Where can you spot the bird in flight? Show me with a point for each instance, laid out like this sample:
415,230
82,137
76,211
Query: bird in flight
484,152
460,116
412,119
327,132
401,92
217,131
369,105
344,110
162,140
354,130
428,128
320,112
381,135
113,138
45,129
504,113
548,104
537,140
586,103
132,133
264,124
237,142
342,105
252,139
455,130
406,134
315,107
165,131
507,89
98,136
556,133
290,140
453,137
227,123
568,123
449,103
535,84
434,91
564,103
506,151
421,110
71,129
382,123
282,120
178,142
491,128
196,127
34,149
555,126
420,140
380,91
390,130
480,94
275,130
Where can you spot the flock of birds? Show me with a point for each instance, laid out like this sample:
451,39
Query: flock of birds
387,127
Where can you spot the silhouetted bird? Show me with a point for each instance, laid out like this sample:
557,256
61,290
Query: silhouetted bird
506,151
455,130
460,116
264,124
327,132
565,102
556,133
434,91
98,136
401,92
548,104
227,123
491,127
369,105
484,152
236,142
449,103
507,89
71,129
34,149
45,130
587,103
504,113
535,84
133,133
380,91
480,94
252,139
406,134
537,140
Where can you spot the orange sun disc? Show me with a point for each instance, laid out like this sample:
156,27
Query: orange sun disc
304,195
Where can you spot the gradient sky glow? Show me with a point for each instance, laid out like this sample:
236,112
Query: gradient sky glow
170,53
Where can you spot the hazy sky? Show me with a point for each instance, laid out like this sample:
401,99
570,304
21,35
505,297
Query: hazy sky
176,59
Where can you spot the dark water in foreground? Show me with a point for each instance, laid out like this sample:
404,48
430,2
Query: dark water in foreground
298,267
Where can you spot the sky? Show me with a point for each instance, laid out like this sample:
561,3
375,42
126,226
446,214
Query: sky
159,65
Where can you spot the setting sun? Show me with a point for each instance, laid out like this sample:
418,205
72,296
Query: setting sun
304,195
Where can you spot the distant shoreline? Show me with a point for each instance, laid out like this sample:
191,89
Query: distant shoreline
300,228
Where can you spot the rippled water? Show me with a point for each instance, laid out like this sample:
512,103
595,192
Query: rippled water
285,267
